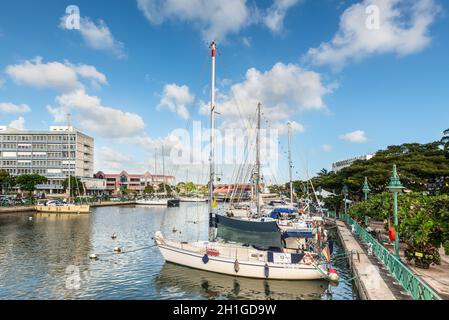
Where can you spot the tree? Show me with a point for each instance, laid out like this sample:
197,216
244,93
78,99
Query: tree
76,186
148,189
445,140
28,182
6,181
420,166
167,188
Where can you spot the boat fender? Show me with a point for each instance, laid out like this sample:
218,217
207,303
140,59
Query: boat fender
236,266
266,270
205,259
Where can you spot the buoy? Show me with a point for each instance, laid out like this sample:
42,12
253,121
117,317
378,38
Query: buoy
333,275
117,249
205,259
174,230
114,236
236,266
266,270
93,256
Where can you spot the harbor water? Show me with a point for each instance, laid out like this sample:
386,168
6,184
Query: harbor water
46,256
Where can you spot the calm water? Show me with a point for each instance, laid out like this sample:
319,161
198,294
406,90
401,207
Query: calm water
48,258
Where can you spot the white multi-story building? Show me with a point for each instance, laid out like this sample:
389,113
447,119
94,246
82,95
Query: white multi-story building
337,166
53,154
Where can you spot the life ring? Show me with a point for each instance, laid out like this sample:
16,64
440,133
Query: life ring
308,260
236,266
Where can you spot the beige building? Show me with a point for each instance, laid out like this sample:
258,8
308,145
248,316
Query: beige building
53,154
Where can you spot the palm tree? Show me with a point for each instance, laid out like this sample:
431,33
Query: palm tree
445,139
323,172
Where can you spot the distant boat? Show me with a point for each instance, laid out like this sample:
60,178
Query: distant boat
192,199
59,207
152,201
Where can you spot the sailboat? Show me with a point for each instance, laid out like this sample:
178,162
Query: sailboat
60,207
239,259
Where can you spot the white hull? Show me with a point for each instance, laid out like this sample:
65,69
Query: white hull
153,202
187,199
250,268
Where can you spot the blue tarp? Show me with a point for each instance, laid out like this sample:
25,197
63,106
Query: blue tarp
283,210
297,234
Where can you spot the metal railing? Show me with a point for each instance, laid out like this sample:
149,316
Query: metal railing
409,281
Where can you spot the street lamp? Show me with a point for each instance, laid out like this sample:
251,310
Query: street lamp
395,186
345,193
366,188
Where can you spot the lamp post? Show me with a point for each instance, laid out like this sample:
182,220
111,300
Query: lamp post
345,193
366,188
395,186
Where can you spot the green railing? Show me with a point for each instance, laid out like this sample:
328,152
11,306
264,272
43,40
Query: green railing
410,282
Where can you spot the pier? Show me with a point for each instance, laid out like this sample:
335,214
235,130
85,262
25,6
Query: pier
379,275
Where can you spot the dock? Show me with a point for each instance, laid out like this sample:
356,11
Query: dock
23,209
368,278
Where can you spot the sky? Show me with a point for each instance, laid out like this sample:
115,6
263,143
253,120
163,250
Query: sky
352,77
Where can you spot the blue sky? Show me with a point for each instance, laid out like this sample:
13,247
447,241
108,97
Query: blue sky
136,70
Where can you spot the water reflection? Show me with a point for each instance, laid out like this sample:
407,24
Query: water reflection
174,279
39,257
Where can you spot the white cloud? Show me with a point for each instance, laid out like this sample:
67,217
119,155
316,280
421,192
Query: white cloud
18,124
113,161
94,116
216,19
283,91
177,99
403,30
274,18
98,36
326,148
8,107
55,75
357,136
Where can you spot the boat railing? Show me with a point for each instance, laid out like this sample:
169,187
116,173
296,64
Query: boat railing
409,281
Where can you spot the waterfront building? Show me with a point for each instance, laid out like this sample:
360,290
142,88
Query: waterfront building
54,154
118,182
94,186
337,166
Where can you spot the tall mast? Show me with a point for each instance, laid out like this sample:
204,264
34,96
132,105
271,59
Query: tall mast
290,160
213,48
163,170
68,153
258,159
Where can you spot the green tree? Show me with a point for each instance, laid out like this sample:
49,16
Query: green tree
167,189
76,186
28,182
445,140
148,189
6,181
420,165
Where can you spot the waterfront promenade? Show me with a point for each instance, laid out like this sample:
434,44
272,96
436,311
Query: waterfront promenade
367,276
